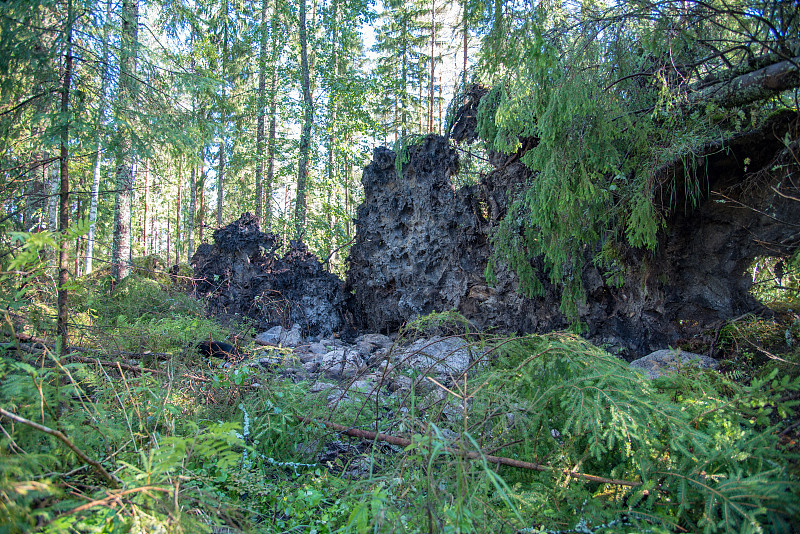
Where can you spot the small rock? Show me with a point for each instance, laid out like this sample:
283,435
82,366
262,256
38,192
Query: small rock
278,335
376,339
341,363
321,386
306,357
659,362
365,349
317,348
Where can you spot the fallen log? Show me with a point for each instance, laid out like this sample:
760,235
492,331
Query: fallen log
473,455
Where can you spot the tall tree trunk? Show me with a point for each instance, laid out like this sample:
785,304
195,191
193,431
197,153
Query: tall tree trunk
191,215
404,78
121,250
221,173
220,180
262,105
147,249
439,125
53,182
433,66
178,215
98,119
347,196
466,45
63,208
190,219
333,104
305,134
201,215
273,118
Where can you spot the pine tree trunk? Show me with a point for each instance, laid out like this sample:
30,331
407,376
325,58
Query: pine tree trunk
273,119
466,45
333,104
178,215
347,196
147,216
191,215
433,66
260,128
221,172
404,80
305,134
121,250
63,259
201,215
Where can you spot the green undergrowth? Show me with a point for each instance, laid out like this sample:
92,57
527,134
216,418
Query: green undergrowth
587,444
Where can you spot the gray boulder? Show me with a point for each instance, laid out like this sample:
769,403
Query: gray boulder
662,361
438,356
278,335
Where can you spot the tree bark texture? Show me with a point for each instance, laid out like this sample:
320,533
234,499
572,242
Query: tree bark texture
63,207
753,86
191,215
121,251
224,114
260,128
178,215
146,234
305,134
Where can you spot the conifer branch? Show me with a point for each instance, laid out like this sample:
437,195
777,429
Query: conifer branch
112,480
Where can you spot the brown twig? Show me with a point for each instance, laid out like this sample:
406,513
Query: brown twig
474,455
115,496
112,480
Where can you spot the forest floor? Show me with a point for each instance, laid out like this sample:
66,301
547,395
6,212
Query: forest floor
436,428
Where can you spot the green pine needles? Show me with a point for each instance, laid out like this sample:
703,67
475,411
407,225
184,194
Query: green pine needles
702,448
602,94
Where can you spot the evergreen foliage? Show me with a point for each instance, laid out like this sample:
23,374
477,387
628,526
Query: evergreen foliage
611,97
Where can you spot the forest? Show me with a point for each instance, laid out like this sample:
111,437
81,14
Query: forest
402,266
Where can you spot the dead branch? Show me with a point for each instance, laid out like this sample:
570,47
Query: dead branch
112,480
31,339
473,455
115,496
